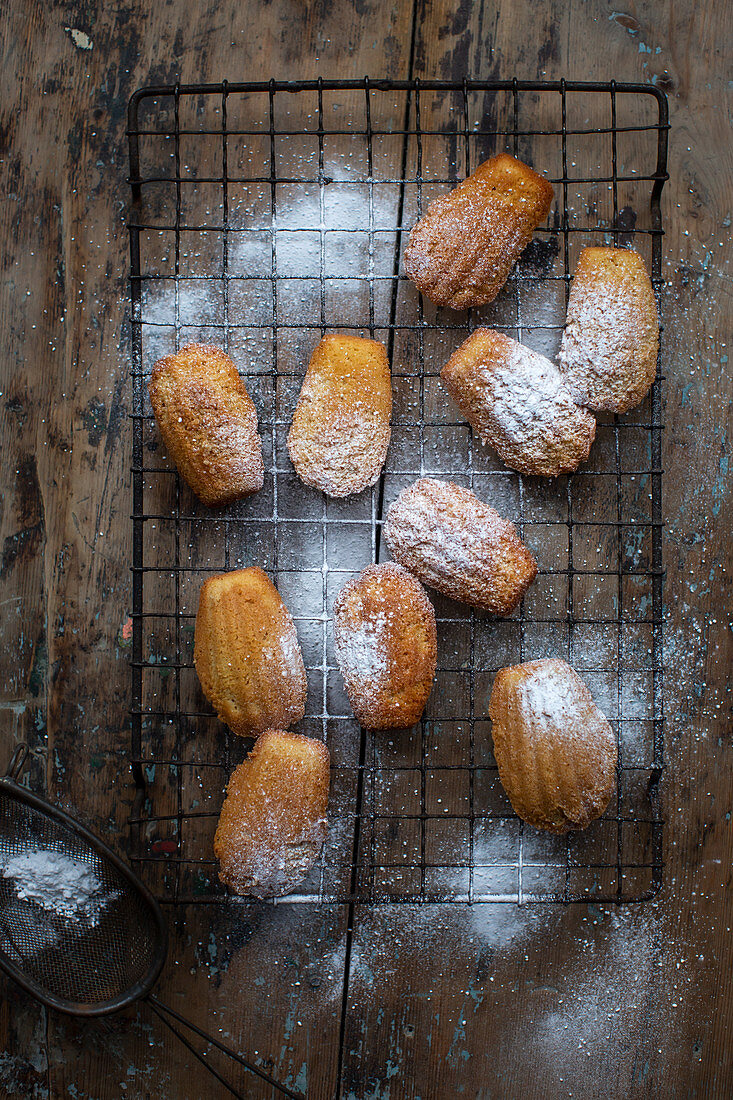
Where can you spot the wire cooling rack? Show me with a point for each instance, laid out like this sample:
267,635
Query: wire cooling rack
264,215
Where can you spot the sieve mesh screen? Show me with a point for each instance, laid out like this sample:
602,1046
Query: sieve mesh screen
72,925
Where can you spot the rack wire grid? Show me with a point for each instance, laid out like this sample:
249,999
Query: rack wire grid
264,215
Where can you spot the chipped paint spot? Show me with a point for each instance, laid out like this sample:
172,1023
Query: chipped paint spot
301,1081
39,671
14,1068
94,419
80,38
720,486
167,847
626,21
459,1035
124,636
16,707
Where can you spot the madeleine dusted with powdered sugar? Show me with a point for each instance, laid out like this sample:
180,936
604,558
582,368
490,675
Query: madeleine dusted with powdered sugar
455,543
555,750
516,401
608,354
208,423
340,432
246,653
386,644
461,251
273,821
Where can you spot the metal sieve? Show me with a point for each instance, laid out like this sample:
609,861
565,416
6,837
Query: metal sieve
96,957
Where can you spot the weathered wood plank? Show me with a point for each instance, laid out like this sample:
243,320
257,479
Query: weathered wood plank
66,503
591,1001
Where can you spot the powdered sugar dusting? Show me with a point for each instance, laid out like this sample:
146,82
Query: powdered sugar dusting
609,347
594,336
285,655
57,883
361,652
340,433
553,696
457,544
549,691
386,644
261,866
531,382
518,403
357,439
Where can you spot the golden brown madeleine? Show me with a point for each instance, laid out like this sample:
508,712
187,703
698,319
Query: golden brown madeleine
555,750
386,644
516,401
461,251
208,423
246,653
273,821
609,348
340,432
454,542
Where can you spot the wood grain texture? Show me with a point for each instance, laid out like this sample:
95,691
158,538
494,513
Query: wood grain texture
442,1001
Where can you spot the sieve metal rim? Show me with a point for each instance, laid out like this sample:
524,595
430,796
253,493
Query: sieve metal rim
136,991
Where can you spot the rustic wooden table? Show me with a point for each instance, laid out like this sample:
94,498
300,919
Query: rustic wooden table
441,1001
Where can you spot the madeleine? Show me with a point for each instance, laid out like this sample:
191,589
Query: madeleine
246,653
273,821
455,543
555,750
340,432
208,423
608,354
386,645
517,402
462,250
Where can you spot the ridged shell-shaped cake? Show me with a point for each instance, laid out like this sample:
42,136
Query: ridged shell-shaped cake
208,423
386,643
273,821
608,354
517,401
555,750
462,250
246,653
460,546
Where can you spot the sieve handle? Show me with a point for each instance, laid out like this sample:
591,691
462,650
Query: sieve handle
17,762
162,1011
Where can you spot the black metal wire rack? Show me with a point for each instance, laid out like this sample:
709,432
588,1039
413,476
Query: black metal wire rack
263,215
